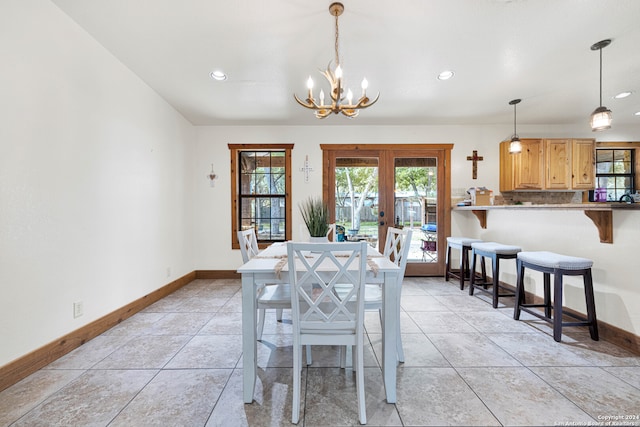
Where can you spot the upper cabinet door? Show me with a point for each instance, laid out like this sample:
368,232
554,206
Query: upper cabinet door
558,173
583,164
528,166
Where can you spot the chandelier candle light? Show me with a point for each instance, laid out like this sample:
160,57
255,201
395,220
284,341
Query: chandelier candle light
338,103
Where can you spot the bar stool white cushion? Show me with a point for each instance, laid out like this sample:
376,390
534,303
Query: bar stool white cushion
553,260
459,242
496,248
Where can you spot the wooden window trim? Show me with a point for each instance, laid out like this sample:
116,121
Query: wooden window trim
234,150
623,145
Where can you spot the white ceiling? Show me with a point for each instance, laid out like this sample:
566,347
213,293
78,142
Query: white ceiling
537,50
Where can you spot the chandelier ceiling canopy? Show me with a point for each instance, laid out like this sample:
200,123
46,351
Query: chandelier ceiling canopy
339,103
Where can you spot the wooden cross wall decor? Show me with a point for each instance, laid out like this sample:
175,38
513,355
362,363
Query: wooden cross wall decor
475,158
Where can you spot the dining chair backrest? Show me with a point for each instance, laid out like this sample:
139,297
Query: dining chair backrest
314,270
248,243
396,247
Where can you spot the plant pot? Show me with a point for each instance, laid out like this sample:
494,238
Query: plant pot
322,239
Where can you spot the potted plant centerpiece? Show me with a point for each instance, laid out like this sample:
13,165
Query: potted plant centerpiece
315,214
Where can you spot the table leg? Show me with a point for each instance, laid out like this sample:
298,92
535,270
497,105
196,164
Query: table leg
389,338
249,346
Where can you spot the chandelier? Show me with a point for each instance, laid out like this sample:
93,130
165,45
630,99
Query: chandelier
339,102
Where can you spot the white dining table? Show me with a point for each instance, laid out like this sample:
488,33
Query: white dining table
268,268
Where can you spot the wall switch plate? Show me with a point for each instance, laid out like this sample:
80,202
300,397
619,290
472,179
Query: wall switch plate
78,309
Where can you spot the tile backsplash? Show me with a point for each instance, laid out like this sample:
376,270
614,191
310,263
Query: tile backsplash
541,197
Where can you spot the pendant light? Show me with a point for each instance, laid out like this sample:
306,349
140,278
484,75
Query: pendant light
515,146
601,117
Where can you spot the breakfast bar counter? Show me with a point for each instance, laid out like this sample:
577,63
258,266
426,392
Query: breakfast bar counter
600,213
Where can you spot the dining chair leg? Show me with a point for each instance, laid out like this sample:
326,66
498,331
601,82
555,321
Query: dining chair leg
358,365
343,357
279,314
399,349
261,315
295,407
308,352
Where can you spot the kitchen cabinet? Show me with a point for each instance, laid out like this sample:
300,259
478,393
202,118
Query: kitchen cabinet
548,164
522,171
583,164
558,172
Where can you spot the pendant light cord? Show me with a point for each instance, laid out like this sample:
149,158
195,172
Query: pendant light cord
600,76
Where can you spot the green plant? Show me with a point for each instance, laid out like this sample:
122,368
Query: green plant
315,214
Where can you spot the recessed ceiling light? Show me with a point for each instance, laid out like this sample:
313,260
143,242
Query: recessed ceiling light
445,75
622,95
637,113
218,75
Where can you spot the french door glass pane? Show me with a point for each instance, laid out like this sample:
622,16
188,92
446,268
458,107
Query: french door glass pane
356,195
415,205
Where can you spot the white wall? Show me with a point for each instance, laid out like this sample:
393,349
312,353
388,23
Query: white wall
615,294
95,180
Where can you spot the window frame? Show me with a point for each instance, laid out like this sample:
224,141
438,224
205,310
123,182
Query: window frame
235,150
631,175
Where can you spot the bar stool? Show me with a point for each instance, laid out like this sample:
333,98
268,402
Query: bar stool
558,265
463,244
496,252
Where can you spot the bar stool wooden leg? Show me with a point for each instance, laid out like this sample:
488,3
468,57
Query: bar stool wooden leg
495,268
519,289
447,267
557,306
591,306
472,276
547,295
464,263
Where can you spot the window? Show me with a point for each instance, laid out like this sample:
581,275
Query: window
615,172
260,191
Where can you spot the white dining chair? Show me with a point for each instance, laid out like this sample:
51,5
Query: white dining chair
396,248
277,296
319,316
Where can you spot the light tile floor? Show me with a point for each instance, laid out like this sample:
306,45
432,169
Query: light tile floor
178,363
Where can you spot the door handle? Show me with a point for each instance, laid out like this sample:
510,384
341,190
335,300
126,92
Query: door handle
381,222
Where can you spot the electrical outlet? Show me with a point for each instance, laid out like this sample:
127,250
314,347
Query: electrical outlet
78,309
168,271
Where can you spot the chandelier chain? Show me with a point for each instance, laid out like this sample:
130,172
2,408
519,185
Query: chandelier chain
336,45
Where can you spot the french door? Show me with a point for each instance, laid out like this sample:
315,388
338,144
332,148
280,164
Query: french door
374,186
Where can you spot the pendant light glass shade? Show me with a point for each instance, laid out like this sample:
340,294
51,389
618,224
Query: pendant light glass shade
601,117
515,146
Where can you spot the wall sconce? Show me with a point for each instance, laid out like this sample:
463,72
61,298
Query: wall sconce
212,177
